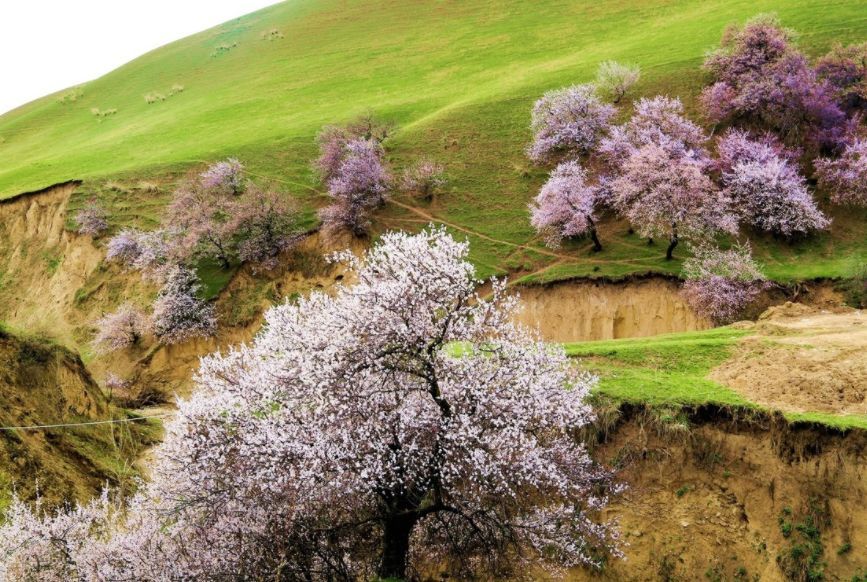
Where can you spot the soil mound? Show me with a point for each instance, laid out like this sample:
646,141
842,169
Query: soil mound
803,359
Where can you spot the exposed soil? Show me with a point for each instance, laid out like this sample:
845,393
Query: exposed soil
595,310
41,383
714,502
801,359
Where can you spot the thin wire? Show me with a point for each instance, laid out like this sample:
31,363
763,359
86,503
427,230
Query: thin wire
91,423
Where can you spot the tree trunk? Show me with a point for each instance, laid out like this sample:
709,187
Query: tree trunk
597,246
669,254
650,241
395,547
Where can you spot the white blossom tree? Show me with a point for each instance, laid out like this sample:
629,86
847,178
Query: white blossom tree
400,424
178,313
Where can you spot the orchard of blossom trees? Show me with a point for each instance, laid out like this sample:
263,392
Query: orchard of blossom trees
659,172
400,425
217,215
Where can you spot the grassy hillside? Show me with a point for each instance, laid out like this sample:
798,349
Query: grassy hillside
458,78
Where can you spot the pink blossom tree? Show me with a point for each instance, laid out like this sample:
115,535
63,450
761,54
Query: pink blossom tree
358,188
120,329
656,121
568,121
773,197
124,247
398,424
332,142
662,194
736,146
721,284
178,313
845,68
424,178
205,222
846,176
759,75
566,206
151,252
266,225
226,176
92,219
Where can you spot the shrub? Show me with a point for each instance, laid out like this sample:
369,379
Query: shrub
423,178
92,219
614,80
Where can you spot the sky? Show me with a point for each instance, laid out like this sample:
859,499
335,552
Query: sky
48,45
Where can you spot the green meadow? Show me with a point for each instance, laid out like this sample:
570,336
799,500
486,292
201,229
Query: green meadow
458,79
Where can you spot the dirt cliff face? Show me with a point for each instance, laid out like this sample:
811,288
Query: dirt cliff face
595,310
42,265
42,384
724,498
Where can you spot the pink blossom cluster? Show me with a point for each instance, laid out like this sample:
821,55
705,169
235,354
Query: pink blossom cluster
227,176
92,219
721,284
150,252
267,225
424,178
178,313
566,206
359,186
845,68
765,186
846,176
120,329
399,424
760,75
773,197
568,121
656,121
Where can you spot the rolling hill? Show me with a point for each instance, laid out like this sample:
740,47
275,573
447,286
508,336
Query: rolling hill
457,78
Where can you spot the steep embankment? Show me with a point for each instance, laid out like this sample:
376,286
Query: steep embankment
715,496
44,384
598,310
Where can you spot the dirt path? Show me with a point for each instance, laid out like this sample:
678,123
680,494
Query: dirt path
803,359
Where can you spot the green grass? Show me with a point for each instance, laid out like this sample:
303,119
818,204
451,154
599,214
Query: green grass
672,369
458,79
666,369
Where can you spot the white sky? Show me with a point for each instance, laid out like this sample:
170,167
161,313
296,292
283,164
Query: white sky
47,45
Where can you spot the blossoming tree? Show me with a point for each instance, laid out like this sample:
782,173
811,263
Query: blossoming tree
721,284
92,219
178,313
401,423
568,121
846,176
566,206
121,329
358,187
665,194
766,187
